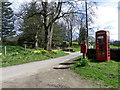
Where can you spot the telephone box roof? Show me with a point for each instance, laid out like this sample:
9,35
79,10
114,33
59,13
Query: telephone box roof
103,31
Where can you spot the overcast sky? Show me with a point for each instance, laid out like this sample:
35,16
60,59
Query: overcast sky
107,15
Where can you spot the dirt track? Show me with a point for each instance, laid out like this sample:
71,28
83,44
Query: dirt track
58,76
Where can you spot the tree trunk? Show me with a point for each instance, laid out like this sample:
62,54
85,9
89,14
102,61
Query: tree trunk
70,34
46,38
50,35
80,38
49,21
50,39
36,40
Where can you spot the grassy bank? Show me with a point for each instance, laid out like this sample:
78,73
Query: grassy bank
105,72
17,55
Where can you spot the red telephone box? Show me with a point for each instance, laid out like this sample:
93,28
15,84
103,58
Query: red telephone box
102,45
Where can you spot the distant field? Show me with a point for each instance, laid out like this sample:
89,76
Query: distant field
17,55
111,46
77,48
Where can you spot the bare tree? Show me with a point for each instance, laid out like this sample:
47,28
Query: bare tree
70,23
52,12
81,19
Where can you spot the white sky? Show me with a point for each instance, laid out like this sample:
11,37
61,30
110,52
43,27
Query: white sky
107,15
119,22
107,18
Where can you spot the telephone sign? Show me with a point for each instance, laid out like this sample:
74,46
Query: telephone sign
102,45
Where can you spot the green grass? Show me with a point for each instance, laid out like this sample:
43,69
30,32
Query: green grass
111,46
16,55
75,43
75,46
106,72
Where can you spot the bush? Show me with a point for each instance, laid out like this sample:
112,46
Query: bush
82,63
9,42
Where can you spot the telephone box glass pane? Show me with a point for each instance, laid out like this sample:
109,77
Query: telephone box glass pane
100,37
101,45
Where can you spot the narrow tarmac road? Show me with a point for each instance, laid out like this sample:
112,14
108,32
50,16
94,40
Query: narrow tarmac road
43,74
17,70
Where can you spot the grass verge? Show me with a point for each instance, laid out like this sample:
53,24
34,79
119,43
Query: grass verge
16,55
76,48
105,72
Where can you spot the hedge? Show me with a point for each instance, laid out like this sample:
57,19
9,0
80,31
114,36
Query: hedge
114,54
91,54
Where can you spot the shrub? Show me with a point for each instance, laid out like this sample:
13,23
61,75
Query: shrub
12,43
82,63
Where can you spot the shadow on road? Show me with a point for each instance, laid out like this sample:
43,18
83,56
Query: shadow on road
65,65
61,67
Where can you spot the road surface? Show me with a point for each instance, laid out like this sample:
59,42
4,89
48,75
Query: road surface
43,74
17,70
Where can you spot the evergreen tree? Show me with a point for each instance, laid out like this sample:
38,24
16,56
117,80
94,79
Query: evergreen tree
31,27
7,20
